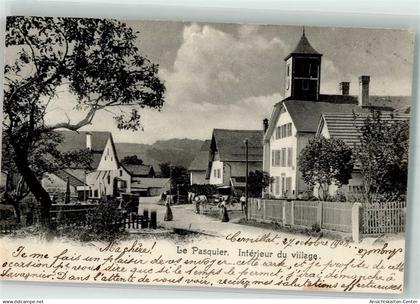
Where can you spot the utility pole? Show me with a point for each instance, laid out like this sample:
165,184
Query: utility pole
246,178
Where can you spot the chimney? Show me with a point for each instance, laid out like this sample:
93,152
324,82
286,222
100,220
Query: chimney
89,140
344,88
364,91
265,125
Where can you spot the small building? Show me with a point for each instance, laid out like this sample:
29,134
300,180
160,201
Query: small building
227,162
56,185
198,167
101,177
139,170
146,186
347,127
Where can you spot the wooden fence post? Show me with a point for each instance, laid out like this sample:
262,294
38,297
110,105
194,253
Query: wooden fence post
283,203
319,214
355,222
263,207
292,213
153,220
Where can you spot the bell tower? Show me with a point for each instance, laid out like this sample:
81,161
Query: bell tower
303,71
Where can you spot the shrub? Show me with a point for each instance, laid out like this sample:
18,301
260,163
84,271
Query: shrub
315,227
106,222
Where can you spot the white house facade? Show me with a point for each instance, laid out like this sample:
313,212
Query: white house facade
227,160
295,120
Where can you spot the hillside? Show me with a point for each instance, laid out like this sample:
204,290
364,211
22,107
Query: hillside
176,151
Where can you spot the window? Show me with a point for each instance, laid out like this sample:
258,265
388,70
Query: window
283,157
215,173
288,187
277,190
108,178
121,172
289,157
288,70
283,131
95,194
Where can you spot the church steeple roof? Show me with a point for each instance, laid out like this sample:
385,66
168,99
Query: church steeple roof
303,47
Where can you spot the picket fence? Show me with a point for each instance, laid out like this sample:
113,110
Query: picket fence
80,217
371,219
8,228
381,218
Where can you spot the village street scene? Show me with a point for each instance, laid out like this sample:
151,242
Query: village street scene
117,129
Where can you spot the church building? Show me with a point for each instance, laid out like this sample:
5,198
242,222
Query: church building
295,119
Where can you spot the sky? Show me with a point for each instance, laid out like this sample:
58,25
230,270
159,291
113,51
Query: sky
230,75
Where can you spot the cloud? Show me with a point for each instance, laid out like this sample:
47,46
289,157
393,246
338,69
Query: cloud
215,67
331,76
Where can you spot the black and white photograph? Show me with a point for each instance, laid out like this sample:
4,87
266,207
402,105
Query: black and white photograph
205,154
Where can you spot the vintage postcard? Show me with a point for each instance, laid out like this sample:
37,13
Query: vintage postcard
203,154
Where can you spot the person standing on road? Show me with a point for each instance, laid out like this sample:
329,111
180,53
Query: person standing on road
243,202
225,216
168,214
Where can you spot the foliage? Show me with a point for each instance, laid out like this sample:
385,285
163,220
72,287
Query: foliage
315,228
324,162
105,222
96,60
165,169
257,181
132,160
383,156
177,174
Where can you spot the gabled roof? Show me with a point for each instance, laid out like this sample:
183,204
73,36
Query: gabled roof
305,114
77,140
77,173
73,180
74,141
148,182
231,147
201,160
347,126
303,47
139,170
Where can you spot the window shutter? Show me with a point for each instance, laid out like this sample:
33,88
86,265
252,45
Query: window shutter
289,157
273,152
283,157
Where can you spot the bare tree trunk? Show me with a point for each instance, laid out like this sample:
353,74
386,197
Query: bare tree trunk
35,186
